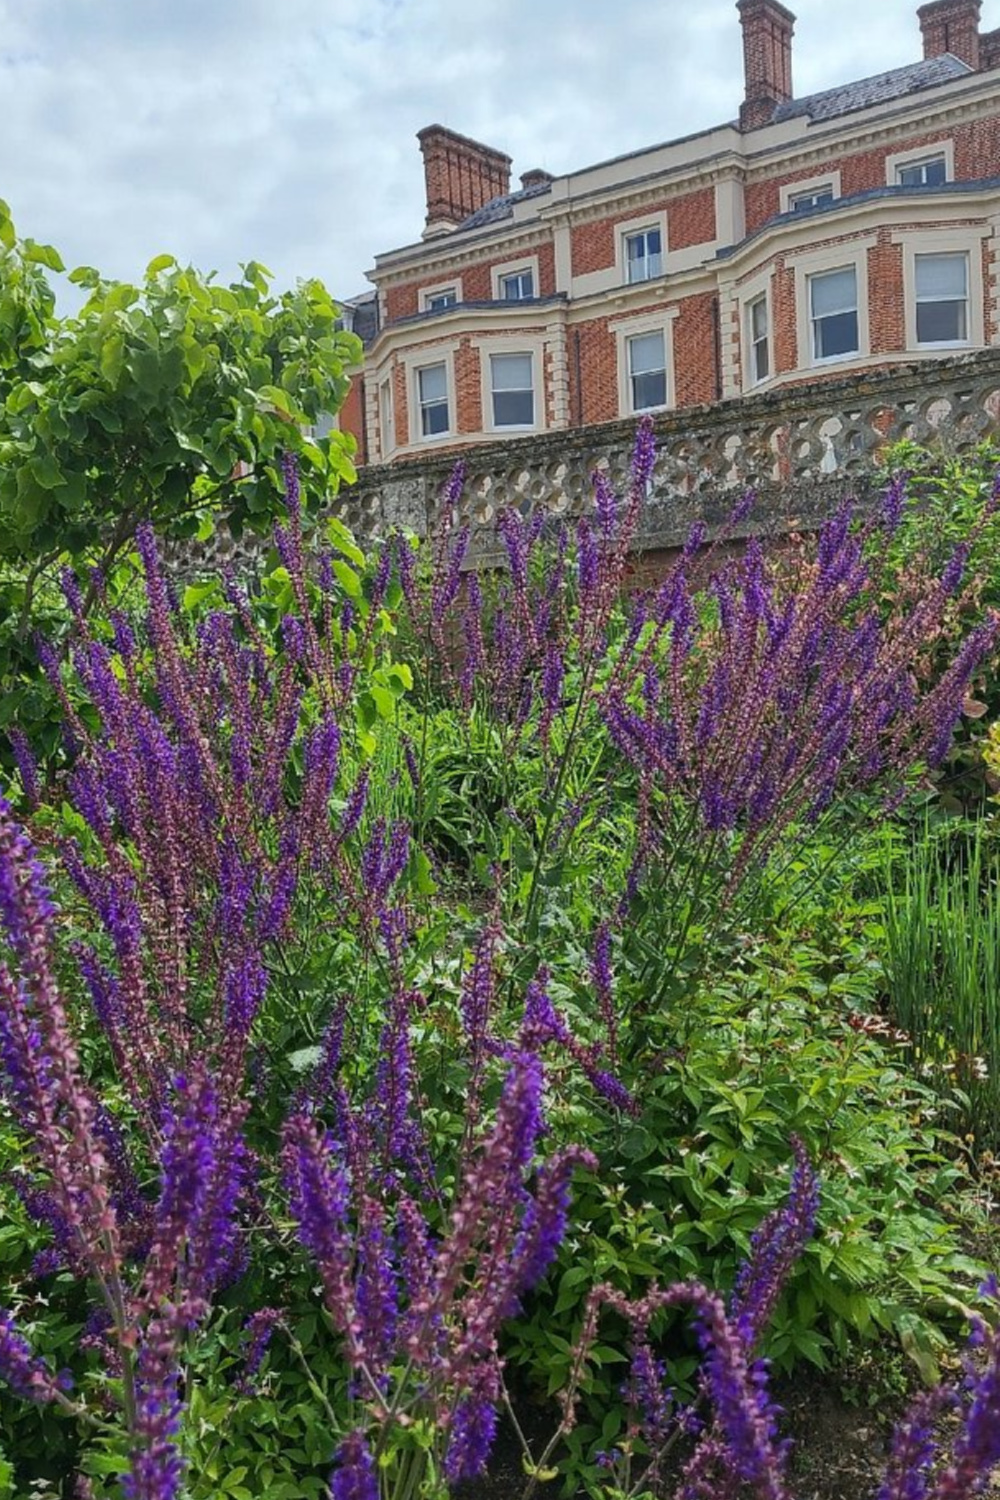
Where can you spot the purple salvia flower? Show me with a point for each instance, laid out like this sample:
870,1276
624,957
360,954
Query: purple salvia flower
472,1435
26,764
380,578
354,810
543,1226
124,636
27,1375
290,476
587,560
355,1477
293,637
157,1470
914,1448
319,1197
405,562
605,504
643,456
70,585
893,501
976,1450
955,569
257,1334
776,1245
377,1287
452,493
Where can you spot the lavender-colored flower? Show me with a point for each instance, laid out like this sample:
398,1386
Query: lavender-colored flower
257,1334
471,1439
157,1470
643,456
354,1477
774,1249
290,476
70,586
27,1375
26,764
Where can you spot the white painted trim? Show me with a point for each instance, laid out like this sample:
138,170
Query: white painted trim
386,415
427,292
928,152
513,268
512,345
661,321
751,292
419,359
625,229
790,190
967,241
831,258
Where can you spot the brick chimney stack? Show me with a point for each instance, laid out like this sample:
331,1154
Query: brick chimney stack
535,177
461,176
951,26
767,59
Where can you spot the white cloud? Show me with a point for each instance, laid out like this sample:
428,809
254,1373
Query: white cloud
226,131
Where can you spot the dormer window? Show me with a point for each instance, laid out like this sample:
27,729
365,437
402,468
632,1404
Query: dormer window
932,171
644,255
438,301
801,203
517,287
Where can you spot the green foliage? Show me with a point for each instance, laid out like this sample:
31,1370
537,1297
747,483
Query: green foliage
942,946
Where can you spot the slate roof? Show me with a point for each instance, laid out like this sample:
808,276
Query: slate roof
502,208
363,315
896,84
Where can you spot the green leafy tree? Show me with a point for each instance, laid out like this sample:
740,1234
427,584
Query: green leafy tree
170,401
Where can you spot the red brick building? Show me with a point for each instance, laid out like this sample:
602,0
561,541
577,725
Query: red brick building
846,230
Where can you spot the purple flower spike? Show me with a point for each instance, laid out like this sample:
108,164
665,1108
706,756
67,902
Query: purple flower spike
354,1478
643,456
26,1374
774,1249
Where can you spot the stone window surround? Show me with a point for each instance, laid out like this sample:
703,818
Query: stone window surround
932,149
515,343
968,239
809,263
790,190
418,359
624,230
660,321
512,268
427,292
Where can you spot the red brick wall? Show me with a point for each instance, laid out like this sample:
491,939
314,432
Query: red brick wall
598,401
690,221
977,154
886,306
695,351
352,416
477,281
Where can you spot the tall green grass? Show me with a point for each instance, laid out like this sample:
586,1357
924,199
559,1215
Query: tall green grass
942,926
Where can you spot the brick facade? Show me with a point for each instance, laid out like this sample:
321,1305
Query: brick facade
660,257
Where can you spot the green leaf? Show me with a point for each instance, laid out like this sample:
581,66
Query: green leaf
156,265
347,578
43,255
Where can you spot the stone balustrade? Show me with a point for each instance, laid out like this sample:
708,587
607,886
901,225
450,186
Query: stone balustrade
802,448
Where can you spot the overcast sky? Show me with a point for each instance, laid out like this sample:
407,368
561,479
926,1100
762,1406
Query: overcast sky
230,130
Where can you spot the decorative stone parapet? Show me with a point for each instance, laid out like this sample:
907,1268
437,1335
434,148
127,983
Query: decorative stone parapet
802,448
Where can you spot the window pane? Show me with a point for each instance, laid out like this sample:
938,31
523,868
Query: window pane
645,353
941,323
834,292
761,360
653,245
434,419
649,390
934,172
511,372
513,409
758,318
941,275
837,334
433,385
